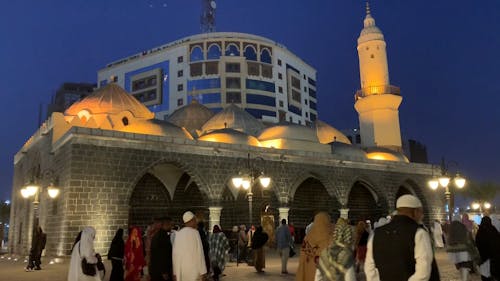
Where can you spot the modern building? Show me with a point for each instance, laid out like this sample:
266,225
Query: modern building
218,69
67,94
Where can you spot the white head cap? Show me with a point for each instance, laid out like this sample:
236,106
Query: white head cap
187,216
408,201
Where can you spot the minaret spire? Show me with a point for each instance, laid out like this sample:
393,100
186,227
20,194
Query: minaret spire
368,8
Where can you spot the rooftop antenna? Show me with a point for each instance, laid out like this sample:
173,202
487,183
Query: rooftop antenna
207,18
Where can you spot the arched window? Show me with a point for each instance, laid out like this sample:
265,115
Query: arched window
265,56
250,53
214,52
125,121
232,50
196,54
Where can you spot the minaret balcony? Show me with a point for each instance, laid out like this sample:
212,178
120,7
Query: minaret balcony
377,90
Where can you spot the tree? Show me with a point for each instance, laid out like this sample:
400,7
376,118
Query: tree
481,191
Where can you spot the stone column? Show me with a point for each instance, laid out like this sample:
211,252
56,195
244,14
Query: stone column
283,214
214,217
344,213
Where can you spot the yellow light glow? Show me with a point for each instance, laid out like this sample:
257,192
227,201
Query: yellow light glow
53,192
444,181
475,206
32,189
246,184
381,156
487,205
25,193
272,144
265,181
237,182
433,184
459,181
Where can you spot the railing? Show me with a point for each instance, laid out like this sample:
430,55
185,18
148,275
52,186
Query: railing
377,90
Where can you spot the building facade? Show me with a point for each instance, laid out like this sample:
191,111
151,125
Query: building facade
218,69
67,94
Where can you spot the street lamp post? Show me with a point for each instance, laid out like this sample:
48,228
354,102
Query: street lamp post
246,179
34,189
444,180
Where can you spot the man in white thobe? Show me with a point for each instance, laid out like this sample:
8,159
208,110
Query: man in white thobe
187,255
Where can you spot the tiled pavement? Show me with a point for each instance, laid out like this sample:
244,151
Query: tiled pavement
14,270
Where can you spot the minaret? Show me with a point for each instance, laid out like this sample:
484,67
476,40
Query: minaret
377,102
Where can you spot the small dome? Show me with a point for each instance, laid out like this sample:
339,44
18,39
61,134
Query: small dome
370,31
289,131
327,134
192,116
157,128
235,118
380,153
230,136
340,148
111,99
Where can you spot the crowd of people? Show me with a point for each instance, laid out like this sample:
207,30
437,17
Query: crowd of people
329,251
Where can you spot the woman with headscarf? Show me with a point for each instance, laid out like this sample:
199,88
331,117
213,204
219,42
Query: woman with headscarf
488,244
259,239
219,245
467,222
336,263
115,254
318,239
84,249
460,247
360,244
134,255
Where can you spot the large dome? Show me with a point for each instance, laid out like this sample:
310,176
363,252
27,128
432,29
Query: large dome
235,118
327,134
191,117
348,150
289,131
230,136
111,99
381,153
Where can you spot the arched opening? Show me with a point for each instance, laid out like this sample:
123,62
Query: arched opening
310,198
214,52
402,190
232,50
364,204
250,53
265,56
152,196
150,199
235,211
196,54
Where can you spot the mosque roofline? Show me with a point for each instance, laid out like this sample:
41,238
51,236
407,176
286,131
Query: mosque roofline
202,36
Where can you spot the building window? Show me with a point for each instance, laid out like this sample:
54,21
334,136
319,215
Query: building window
196,69
212,68
265,56
372,56
233,83
214,52
295,96
358,138
305,77
281,103
233,97
279,62
260,85
295,82
253,69
267,71
125,121
305,101
280,76
180,73
180,102
307,115
180,87
280,90
144,83
232,50
305,89
250,53
196,54
233,67
146,96
180,59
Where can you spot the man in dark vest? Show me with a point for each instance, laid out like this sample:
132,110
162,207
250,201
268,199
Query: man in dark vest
401,250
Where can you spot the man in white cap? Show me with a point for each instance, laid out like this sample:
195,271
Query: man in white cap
187,254
401,249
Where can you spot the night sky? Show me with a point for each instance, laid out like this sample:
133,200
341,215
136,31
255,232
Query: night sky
443,54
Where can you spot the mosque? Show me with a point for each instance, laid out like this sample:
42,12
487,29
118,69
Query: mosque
117,162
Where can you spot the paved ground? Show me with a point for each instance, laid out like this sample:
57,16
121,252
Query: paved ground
14,270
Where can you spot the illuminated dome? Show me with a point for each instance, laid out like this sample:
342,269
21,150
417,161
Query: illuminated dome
235,118
111,99
327,134
343,149
191,117
157,128
230,136
370,30
289,131
380,153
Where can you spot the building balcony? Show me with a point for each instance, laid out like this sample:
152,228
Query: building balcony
377,90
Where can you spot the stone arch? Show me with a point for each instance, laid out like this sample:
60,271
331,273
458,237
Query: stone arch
235,205
365,203
311,196
414,189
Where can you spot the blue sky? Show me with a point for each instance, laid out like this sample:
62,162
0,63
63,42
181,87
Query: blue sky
443,55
